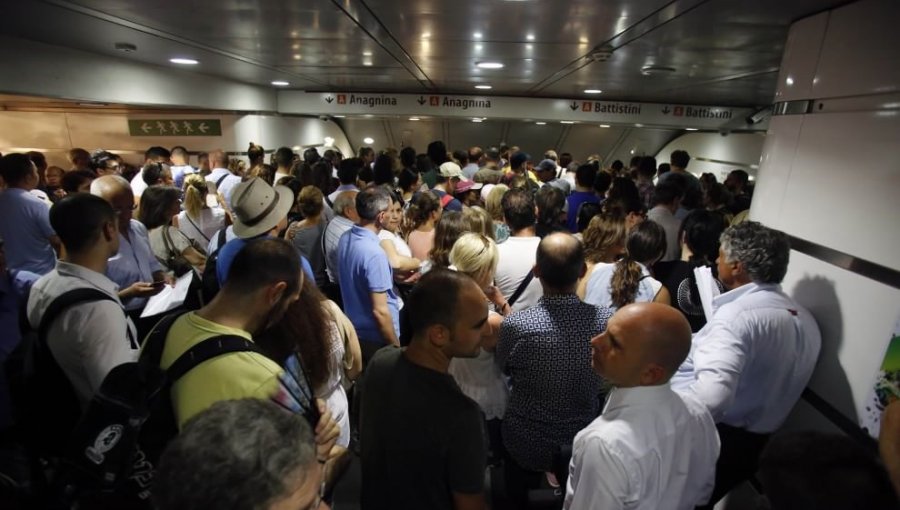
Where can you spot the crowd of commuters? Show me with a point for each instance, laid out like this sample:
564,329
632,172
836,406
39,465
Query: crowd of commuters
434,314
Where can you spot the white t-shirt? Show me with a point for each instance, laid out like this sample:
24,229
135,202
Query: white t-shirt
399,244
517,257
598,291
204,228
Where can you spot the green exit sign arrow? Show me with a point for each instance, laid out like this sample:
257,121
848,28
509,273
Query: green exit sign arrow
175,127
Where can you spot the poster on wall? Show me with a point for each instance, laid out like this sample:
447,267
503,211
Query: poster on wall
887,385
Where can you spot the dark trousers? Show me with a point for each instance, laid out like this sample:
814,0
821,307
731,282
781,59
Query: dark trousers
518,482
738,460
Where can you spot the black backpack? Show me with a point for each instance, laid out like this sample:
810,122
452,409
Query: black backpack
111,455
210,280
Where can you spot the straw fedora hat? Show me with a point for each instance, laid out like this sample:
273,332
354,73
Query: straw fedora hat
258,207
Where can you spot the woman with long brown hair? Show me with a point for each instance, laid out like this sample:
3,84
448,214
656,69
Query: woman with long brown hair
604,242
629,280
422,215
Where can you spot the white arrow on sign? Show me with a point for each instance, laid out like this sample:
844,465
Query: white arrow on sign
146,128
203,127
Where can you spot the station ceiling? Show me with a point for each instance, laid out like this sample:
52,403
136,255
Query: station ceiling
718,52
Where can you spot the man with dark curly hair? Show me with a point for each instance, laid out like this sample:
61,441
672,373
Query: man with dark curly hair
751,361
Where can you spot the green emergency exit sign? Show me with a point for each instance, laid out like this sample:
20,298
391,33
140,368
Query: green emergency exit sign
175,127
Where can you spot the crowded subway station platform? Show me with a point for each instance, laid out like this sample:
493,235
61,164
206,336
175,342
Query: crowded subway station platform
506,255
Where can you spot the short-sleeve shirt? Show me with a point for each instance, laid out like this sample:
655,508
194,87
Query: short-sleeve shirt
452,205
135,262
421,438
365,269
228,377
599,286
203,228
226,187
228,252
26,231
545,350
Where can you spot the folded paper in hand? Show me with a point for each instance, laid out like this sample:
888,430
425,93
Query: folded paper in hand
170,297
706,286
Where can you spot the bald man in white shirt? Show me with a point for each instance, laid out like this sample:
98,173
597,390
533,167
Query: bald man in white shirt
651,448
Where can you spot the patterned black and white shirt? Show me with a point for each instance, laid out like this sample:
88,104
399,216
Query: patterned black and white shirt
554,393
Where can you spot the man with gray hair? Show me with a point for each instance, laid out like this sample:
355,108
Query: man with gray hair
754,357
245,453
367,282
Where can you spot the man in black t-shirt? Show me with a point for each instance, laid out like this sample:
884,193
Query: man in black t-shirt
421,438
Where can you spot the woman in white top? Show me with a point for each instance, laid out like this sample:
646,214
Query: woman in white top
629,280
398,252
604,242
479,378
199,221
173,249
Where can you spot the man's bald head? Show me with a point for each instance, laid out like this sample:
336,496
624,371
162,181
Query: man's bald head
643,345
559,261
218,159
110,186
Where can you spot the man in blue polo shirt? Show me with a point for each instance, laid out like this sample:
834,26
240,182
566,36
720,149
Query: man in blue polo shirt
366,277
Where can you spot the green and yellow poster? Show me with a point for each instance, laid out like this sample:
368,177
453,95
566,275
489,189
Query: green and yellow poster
887,385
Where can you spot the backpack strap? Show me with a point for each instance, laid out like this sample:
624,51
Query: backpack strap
222,238
219,181
329,202
521,289
207,350
67,300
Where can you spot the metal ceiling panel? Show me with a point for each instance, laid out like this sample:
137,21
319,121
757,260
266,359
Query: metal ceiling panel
723,51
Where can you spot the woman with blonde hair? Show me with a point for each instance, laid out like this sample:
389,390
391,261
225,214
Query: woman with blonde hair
604,242
199,221
476,255
495,210
479,220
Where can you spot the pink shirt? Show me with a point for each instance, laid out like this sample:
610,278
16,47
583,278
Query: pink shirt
420,243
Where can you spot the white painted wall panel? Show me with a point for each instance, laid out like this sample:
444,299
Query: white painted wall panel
859,52
856,316
776,165
801,56
717,154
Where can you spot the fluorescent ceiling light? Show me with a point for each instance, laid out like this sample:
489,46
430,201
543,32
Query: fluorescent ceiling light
414,118
184,61
567,122
280,83
329,140
604,125
297,57
339,116
593,91
483,87
690,129
477,35
530,37
368,140
540,123
477,120
489,65
639,125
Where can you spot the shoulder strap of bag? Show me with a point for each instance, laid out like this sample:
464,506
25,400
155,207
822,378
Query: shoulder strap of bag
522,286
220,179
188,216
223,238
169,244
207,350
329,202
64,301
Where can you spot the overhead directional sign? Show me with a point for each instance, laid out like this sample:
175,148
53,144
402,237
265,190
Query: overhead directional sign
174,127
538,109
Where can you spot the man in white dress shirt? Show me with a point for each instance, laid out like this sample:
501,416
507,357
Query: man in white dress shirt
754,357
651,448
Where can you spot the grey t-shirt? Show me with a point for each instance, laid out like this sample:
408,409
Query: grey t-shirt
421,437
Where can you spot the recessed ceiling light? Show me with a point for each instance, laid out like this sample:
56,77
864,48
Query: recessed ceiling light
414,118
184,61
530,37
483,87
529,47
426,35
367,63
367,53
593,91
295,47
477,35
489,65
529,60
582,40
604,125
477,120
280,83
567,122
690,129
638,125
339,116
297,57
655,69
540,123
368,140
